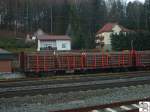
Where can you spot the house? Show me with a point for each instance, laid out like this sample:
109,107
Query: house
31,37
53,42
103,36
5,61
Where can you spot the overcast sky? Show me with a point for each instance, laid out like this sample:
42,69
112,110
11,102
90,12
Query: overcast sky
139,0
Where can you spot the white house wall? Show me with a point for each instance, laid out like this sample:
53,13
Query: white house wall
107,36
39,45
45,44
48,43
116,29
60,43
107,39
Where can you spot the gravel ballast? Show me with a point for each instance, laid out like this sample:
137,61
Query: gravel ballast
52,102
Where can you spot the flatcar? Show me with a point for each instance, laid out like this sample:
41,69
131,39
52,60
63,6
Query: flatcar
81,61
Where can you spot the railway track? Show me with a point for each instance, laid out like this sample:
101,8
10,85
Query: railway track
77,76
125,106
46,87
71,79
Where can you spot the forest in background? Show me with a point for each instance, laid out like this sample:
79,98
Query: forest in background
80,19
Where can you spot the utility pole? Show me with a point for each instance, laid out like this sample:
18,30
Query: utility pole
51,19
15,21
27,15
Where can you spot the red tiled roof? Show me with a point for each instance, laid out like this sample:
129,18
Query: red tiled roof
109,26
53,37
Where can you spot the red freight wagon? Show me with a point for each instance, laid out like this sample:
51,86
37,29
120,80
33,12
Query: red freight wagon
143,59
108,60
64,61
69,61
39,62
120,59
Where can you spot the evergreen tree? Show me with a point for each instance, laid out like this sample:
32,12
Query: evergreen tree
123,41
147,12
117,12
83,18
134,15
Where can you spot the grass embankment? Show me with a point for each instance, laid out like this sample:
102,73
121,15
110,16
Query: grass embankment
18,50
16,44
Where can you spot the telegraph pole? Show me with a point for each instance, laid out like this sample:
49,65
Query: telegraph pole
51,19
27,15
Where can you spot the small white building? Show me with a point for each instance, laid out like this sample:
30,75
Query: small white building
103,36
53,42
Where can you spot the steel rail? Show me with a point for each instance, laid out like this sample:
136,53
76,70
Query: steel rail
38,81
79,86
70,76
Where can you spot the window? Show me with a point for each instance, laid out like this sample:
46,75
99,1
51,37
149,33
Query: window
49,45
63,45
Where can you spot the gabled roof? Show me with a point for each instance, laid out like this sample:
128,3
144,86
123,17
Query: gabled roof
53,37
6,55
109,26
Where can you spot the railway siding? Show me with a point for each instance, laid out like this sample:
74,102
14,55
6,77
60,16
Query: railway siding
72,78
73,100
50,97
76,86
